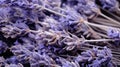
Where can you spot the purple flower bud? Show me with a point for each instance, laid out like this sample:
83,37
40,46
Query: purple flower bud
109,4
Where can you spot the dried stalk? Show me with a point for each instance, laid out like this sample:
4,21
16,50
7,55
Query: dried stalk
101,26
104,22
42,7
114,21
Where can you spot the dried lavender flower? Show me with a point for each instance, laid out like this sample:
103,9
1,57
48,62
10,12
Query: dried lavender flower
3,47
14,65
109,4
2,61
112,33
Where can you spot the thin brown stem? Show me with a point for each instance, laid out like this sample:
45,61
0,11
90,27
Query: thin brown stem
113,21
42,7
99,40
101,26
105,22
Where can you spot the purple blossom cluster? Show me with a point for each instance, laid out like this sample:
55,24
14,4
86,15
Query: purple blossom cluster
113,33
95,58
109,4
51,33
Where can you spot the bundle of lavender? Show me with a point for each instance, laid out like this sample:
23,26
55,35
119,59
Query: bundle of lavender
59,33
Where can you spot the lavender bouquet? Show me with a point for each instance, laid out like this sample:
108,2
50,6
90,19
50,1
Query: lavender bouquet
59,33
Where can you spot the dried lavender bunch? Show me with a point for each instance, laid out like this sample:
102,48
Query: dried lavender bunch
56,33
